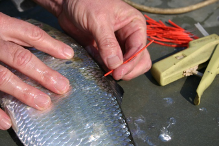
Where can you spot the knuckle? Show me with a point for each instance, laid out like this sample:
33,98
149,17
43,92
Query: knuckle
138,21
47,77
22,57
5,75
25,96
108,43
137,15
36,33
139,25
44,77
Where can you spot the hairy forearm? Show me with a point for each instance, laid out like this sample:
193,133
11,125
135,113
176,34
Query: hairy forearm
53,6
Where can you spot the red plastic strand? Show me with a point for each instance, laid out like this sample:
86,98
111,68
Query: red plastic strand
173,35
133,56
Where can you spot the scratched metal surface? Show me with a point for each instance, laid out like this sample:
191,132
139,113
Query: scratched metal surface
158,115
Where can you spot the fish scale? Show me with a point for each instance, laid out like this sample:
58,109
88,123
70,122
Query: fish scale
88,114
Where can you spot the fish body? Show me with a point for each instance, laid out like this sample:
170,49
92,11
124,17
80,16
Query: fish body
88,114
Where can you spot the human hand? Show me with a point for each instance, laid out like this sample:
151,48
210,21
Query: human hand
14,34
112,31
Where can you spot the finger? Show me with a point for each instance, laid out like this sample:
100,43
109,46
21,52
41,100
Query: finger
24,61
108,46
84,38
141,67
94,53
24,33
5,121
11,84
133,35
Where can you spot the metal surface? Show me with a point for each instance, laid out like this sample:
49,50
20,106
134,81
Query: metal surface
158,115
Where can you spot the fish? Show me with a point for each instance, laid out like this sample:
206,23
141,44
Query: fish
89,114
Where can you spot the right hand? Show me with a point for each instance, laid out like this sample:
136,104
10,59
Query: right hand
14,34
111,31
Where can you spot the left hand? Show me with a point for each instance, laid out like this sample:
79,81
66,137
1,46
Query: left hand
15,35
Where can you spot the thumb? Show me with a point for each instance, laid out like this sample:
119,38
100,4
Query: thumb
108,47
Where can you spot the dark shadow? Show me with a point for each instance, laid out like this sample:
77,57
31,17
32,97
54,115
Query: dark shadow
189,87
12,133
149,75
151,78
176,50
188,90
14,137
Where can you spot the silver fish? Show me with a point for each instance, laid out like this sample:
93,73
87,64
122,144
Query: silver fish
89,114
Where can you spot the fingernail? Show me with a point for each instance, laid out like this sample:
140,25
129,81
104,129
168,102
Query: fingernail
42,101
68,52
113,61
5,123
62,85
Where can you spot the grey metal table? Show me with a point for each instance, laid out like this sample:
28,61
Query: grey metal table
158,115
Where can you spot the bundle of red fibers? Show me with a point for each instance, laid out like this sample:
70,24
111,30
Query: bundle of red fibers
173,36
